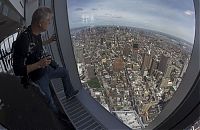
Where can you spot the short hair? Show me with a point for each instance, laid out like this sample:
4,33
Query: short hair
40,14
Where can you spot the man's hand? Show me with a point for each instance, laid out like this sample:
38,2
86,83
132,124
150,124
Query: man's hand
44,62
51,39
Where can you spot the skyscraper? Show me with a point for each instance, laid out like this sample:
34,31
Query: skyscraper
163,63
90,71
126,50
78,54
168,71
154,66
146,62
118,64
87,60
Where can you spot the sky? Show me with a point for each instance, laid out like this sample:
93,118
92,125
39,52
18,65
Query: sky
175,17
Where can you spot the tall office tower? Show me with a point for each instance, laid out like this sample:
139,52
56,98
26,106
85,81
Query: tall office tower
163,63
135,56
154,66
90,71
164,83
127,50
168,71
87,60
135,46
78,52
135,51
102,40
118,64
146,62
184,68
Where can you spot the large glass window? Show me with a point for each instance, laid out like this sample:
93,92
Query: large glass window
132,54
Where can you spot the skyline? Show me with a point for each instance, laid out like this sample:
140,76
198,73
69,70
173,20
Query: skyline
136,13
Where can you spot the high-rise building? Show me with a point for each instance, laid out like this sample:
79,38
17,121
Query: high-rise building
135,46
163,63
168,71
102,40
135,56
136,67
154,66
78,52
184,68
126,50
135,51
118,64
90,71
87,60
164,82
146,62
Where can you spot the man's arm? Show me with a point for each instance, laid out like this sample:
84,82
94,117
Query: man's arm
40,64
51,39
32,67
46,42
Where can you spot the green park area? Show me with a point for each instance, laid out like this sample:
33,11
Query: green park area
94,83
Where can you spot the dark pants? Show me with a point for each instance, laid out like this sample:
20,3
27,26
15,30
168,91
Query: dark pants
44,81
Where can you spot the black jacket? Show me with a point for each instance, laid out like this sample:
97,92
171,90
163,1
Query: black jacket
27,50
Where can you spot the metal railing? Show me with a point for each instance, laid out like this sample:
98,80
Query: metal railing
6,54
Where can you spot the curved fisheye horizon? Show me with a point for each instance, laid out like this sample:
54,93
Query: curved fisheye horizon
134,27
168,17
100,64
132,55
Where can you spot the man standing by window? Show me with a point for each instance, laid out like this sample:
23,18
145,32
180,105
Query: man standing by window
29,59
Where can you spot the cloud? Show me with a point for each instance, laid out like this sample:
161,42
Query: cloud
160,17
79,9
117,17
189,12
94,8
107,14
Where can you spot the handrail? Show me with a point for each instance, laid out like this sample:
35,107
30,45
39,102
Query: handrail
6,54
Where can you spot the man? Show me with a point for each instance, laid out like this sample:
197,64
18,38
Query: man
29,59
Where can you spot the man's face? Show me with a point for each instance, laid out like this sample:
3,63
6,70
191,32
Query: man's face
45,23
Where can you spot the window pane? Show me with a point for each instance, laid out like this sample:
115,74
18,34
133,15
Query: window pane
132,54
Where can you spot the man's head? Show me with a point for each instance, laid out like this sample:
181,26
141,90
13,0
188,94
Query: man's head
41,18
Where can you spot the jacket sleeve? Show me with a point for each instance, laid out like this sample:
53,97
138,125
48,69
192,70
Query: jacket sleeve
20,55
